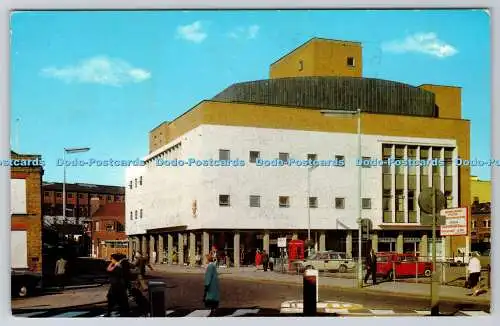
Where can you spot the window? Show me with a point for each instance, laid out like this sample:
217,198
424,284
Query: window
399,200
131,215
80,196
120,227
366,161
58,195
254,201
340,160
254,156
284,201
313,202
135,215
366,203
284,157
140,213
97,226
485,224
224,155
224,200
386,168
140,181
46,193
386,201
339,203
110,197
301,65
473,224
312,157
411,201
70,195
100,197
117,198
476,199
135,182
350,61
130,184
109,227
400,169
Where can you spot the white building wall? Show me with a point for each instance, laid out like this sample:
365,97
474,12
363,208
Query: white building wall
167,194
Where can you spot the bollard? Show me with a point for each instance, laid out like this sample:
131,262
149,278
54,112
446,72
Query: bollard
310,292
156,290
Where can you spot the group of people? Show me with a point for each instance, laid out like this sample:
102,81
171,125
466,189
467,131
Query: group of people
262,258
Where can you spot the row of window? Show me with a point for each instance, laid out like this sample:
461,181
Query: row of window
130,184
284,201
485,224
411,198
83,196
133,215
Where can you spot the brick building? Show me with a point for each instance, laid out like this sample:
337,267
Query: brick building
78,198
26,212
108,230
481,226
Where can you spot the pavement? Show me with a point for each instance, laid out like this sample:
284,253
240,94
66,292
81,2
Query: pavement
392,288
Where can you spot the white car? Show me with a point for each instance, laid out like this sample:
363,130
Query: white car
327,261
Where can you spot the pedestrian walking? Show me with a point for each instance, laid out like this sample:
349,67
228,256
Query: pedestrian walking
141,263
60,273
474,269
371,267
117,293
265,260
211,295
258,259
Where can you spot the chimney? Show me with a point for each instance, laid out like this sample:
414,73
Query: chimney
94,205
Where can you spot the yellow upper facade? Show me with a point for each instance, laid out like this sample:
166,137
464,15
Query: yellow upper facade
480,190
320,57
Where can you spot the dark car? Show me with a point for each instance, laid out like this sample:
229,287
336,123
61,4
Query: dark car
24,282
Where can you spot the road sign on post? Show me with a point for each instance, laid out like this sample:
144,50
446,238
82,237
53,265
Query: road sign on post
455,222
281,242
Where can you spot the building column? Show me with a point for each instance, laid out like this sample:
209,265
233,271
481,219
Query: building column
236,250
180,250
130,247
423,247
399,243
266,241
205,244
170,248
192,249
348,244
151,248
375,241
144,245
161,248
322,241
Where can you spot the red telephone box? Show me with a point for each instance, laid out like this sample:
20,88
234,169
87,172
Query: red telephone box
295,252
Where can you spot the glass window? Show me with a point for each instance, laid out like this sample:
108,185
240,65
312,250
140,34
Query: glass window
339,203
313,202
387,200
366,203
224,200
254,201
284,157
399,200
224,155
284,201
254,156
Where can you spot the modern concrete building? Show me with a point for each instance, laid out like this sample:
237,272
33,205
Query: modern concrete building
295,115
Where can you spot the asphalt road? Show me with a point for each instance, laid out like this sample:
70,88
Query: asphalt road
186,291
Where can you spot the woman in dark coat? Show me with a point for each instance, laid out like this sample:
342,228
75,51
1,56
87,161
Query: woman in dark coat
119,282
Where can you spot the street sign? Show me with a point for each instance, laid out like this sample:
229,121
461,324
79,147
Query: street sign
456,222
425,200
281,242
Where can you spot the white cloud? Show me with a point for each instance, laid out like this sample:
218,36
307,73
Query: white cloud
193,32
249,32
99,70
427,43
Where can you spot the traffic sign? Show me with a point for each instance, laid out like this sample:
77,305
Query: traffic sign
456,222
281,242
425,200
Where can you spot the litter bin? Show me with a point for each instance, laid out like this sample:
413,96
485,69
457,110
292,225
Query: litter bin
310,292
157,291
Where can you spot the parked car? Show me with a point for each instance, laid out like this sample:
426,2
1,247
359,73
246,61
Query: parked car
462,259
390,265
327,261
24,282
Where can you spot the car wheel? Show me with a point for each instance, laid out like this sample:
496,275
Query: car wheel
23,291
343,268
427,272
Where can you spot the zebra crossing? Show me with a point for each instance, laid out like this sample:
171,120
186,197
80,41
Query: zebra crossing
86,313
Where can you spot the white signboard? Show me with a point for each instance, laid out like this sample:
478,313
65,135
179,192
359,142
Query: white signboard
17,196
456,222
18,249
281,242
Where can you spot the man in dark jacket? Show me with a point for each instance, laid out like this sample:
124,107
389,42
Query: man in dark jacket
265,260
117,293
371,267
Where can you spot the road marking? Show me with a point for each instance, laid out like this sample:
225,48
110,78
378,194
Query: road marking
243,312
474,313
382,312
70,314
199,313
30,314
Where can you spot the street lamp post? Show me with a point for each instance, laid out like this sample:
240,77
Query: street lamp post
359,220
69,151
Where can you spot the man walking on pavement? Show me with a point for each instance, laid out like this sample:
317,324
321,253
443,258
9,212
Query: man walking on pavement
60,273
474,274
117,293
371,267
211,295
141,264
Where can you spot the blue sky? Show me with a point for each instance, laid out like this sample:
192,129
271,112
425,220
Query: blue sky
105,79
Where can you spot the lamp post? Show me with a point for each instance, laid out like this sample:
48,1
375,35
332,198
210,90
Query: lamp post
359,220
309,169
69,151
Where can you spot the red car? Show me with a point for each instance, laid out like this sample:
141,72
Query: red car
390,264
